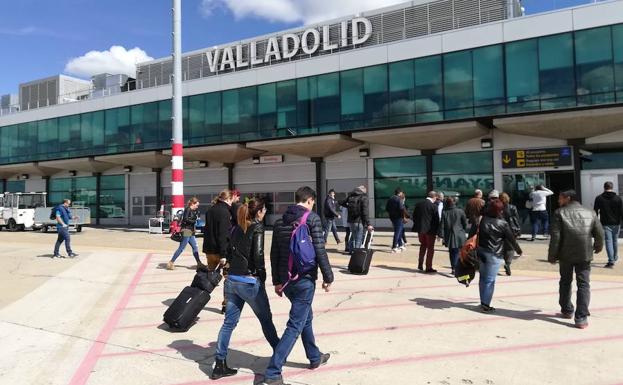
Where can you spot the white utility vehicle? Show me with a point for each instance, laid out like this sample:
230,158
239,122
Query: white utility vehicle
17,210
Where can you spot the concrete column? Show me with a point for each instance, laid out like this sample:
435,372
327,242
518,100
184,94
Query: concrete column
98,203
577,165
320,197
230,175
429,168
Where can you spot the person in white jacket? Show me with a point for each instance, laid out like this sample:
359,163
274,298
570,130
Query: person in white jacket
539,215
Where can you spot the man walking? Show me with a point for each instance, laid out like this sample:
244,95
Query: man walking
330,215
299,292
63,216
426,224
539,213
395,209
474,206
357,205
609,207
573,230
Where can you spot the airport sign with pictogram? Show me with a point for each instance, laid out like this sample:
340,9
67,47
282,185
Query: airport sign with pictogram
534,158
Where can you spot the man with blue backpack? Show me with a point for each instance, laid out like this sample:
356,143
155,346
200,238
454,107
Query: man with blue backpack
297,251
62,215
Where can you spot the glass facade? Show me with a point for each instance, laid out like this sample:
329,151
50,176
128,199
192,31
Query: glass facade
458,173
15,186
112,196
567,70
81,191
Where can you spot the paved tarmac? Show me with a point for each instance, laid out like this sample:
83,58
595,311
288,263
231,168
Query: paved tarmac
97,319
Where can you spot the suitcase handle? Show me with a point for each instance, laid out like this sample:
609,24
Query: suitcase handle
369,237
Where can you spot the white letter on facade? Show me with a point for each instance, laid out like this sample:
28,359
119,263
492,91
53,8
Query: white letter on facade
367,30
272,50
254,59
304,41
326,39
285,45
239,58
212,57
228,58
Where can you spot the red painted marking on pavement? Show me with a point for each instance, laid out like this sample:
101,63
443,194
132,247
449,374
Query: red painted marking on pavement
88,363
357,331
423,358
341,280
541,293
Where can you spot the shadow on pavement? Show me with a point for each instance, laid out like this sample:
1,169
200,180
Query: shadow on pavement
235,358
526,315
45,256
394,268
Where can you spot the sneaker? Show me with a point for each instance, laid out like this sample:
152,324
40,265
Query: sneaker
430,271
73,255
403,248
57,256
486,308
507,269
581,323
609,265
396,250
565,315
323,361
221,370
170,266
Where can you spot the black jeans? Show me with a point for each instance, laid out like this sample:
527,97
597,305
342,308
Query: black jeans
582,276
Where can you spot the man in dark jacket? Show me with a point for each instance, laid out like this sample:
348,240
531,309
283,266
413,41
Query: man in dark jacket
299,292
474,207
330,215
573,230
395,209
357,205
610,210
426,224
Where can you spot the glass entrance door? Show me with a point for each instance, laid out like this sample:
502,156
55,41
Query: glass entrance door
519,186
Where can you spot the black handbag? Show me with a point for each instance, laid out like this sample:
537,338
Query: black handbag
177,237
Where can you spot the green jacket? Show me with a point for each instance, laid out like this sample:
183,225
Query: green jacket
572,232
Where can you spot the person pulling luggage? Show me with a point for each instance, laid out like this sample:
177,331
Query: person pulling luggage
187,225
245,282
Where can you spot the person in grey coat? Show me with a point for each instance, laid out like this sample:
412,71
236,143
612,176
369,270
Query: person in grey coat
576,235
452,229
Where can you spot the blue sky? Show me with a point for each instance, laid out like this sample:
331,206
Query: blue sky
39,37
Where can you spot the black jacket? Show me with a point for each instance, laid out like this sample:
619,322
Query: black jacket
357,204
573,230
216,232
189,219
234,212
246,251
280,247
496,236
330,208
511,215
394,208
426,218
609,208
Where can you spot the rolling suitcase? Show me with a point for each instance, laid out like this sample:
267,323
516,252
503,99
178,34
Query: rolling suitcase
182,313
360,258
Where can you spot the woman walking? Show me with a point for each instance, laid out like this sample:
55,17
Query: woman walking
495,236
245,282
187,224
452,230
511,215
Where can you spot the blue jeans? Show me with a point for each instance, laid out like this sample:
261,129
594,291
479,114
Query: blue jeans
63,236
193,244
356,235
612,242
454,257
399,227
541,217
301,295
330,226
237,294
489,267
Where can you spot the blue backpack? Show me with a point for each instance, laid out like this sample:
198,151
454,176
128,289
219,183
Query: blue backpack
302,257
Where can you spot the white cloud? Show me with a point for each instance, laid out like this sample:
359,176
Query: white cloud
292,11
116,60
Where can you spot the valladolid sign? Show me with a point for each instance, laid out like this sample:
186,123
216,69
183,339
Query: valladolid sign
289,45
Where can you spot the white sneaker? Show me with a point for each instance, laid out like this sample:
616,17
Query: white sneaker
403,248
396,250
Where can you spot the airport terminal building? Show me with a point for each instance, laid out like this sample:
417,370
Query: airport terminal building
450,95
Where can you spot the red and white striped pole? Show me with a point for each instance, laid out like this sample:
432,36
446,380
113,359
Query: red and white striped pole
177,160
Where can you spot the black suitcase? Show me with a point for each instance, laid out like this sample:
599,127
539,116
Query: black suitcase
361,258
207,280
182,313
